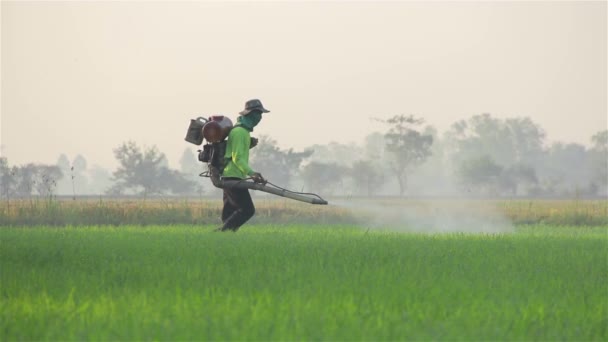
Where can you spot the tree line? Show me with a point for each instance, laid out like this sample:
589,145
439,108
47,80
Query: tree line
479,156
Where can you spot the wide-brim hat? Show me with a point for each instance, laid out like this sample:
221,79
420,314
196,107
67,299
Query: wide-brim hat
252,105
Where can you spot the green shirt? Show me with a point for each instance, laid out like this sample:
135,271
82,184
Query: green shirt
237,154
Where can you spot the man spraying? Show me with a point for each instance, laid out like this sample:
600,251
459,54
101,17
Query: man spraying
238,206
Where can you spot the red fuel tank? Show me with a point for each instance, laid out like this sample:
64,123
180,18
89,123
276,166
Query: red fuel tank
217,128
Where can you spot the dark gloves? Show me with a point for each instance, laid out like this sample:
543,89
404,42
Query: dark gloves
254,142
257,177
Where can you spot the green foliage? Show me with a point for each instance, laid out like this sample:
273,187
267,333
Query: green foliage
482,172
498,156
301,283
323,177
510,141
600,140
27,180
277,164
407,146
367,176
599,161
566,165
144,171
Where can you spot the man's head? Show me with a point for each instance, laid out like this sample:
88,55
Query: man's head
252,114
253,105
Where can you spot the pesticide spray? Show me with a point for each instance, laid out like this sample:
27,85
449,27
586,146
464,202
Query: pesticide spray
427,216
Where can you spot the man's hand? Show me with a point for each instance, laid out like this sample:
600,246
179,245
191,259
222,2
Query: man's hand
257,177
254,143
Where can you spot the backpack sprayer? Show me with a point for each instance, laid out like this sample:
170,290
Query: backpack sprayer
215,130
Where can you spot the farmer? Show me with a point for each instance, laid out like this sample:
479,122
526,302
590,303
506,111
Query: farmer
238,206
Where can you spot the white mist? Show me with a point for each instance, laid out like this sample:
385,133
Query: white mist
427,216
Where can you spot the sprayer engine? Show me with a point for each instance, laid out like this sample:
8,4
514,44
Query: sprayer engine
214,129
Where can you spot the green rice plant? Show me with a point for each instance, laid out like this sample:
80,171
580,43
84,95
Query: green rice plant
302,282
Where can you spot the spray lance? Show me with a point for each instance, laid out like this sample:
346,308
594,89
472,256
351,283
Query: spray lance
215,130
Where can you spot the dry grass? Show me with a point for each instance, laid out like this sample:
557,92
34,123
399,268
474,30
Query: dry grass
281,211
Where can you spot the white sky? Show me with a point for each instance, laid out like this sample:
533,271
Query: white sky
82,77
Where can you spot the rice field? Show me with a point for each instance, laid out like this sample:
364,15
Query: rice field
294,281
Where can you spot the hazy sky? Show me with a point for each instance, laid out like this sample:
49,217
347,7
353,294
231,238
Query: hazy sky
82,77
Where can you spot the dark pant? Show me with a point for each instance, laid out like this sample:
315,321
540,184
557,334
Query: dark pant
238,208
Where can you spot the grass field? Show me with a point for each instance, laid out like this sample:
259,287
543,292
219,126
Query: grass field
302,282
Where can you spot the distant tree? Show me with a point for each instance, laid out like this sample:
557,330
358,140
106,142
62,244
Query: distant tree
100,179
527,140
80,163
509,142
514,144
323,177
599,162
407,146
138,171
482,174
374,148
600,141
435,174
519,178
64,186
63,162
177,183
28,180
46,179
565,168
144,171
367,177
79,174
276,164
337,153
8,180
191,168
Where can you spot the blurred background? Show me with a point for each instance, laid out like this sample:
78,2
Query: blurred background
490,99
